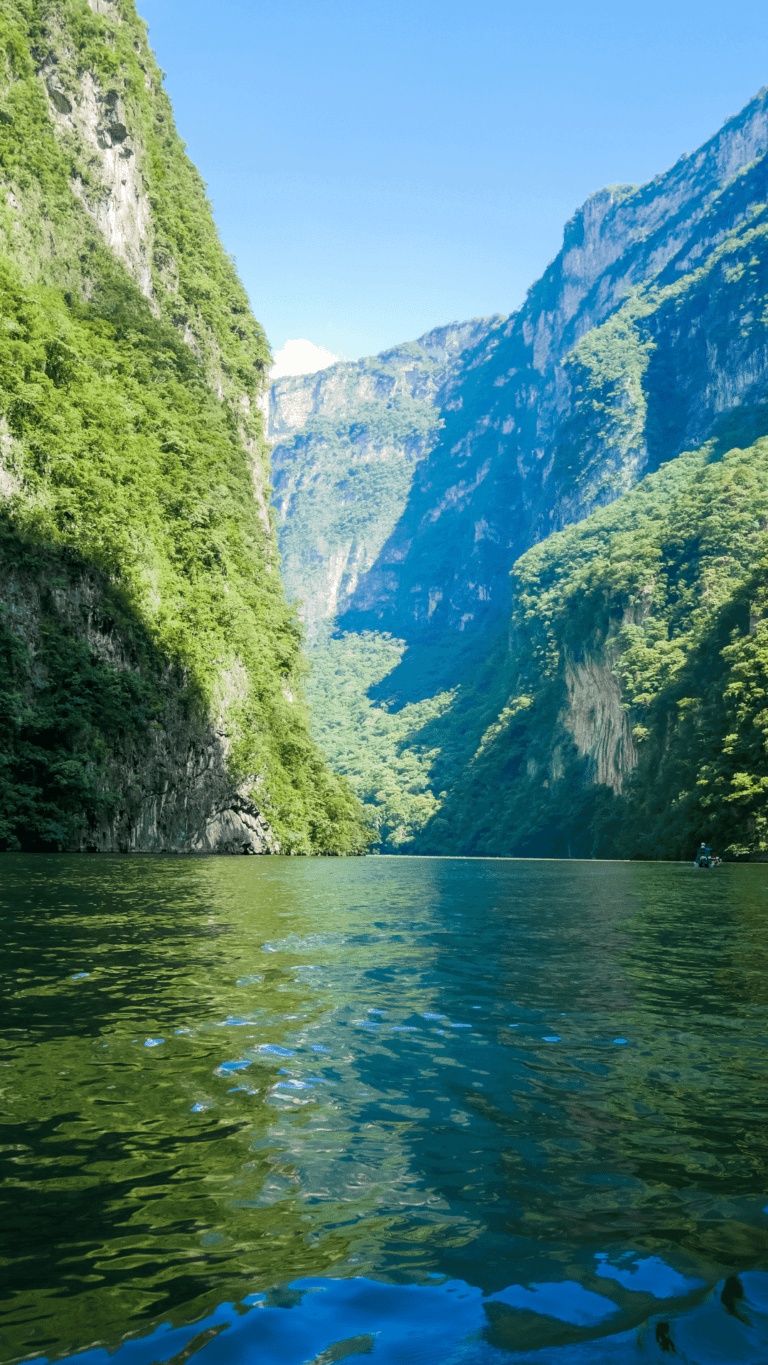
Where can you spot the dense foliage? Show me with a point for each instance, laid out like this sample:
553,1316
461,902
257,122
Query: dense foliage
132,447
664,595
665,590
647,337
377,748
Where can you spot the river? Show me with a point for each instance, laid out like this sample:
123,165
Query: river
383,1109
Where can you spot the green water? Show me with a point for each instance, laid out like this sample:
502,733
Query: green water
219,1076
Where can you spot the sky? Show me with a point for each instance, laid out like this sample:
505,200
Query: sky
382,167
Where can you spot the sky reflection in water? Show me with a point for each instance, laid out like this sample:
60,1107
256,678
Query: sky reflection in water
383,1107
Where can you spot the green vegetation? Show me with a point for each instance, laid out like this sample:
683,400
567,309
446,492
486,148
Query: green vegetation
664,590
622,632
607,371
376,748
137,458
403,760
665,595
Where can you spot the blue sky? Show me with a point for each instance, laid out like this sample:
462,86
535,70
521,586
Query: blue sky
380,168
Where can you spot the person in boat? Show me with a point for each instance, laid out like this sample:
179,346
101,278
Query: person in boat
704,856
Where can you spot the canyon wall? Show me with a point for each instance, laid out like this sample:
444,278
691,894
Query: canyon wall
644,339
134,481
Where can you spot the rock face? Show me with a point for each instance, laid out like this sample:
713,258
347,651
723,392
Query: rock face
346,444
619,358
598,722
150,676
644,338
115,195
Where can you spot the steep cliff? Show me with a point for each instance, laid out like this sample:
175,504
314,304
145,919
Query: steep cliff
529,443
346,444
534,443
150,666
636,720
646,337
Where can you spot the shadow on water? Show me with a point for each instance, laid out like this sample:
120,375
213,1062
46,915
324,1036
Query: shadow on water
321,1110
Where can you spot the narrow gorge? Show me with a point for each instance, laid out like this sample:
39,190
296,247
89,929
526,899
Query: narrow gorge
526,552
516,540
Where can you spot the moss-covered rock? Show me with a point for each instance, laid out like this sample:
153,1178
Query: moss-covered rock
151,666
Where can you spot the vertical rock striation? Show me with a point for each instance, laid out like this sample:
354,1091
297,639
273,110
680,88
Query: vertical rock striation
645,338
346,444
149,661
557,409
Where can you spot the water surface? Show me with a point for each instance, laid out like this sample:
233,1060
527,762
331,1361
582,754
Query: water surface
291,1110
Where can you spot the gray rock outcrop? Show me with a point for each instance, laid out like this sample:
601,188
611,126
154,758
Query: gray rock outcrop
610,366
175,790
644,338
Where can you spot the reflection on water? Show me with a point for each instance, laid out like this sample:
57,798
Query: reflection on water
300,1109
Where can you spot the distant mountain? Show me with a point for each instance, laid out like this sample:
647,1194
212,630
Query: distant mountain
645,338
347,442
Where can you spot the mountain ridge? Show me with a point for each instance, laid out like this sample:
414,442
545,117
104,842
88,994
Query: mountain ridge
373,412
135,538
646,337
528,339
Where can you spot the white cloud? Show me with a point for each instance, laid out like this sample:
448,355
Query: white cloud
301,357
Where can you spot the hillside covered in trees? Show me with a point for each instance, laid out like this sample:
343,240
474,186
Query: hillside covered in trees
557,645
150,666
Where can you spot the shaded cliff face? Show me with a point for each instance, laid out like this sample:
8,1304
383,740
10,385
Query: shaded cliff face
635,722
529,444
134,470
534,443
646,337
346,445
143,765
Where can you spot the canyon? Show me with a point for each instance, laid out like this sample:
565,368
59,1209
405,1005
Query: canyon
409,486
